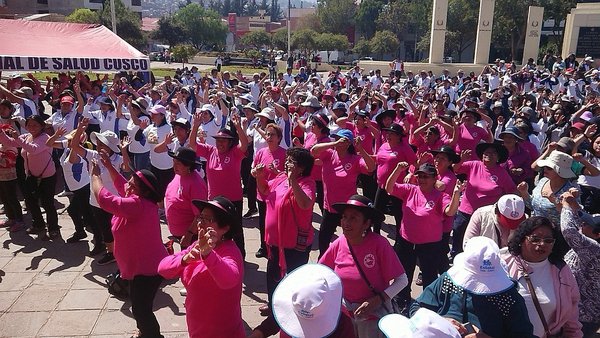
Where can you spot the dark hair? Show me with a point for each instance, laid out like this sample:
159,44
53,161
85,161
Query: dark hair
235,226
527,227
145,192
304,159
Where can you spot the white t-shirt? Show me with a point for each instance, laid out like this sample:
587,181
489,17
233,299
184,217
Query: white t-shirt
156,135
76,175
137,147
542,281
108,121
116,160
69,121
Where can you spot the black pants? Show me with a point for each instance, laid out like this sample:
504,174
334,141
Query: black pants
590,199
428,255
101,227
239,238
164,177
319,195
142,290
444,247
382,198
251,193
8,196
41,192
80,210
369,185
328,225
461,220
589,329
262,215
293,259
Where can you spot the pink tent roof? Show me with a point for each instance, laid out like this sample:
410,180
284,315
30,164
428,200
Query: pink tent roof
34,45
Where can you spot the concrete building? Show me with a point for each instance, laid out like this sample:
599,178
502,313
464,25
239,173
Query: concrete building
64,7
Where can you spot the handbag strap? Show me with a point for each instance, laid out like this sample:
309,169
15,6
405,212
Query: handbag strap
465,315
364,277
536,302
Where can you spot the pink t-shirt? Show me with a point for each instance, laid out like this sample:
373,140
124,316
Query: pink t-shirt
285,219
179,209
368,140
469,138
214,290
422,213
223,171
423,147
266,157
138,246
309,141
388,157
484,185
339,176
449,180
376,258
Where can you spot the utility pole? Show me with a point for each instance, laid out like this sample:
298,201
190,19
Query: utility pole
289,23
113,16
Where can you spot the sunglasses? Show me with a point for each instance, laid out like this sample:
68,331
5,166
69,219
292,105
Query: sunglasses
539,241
205,220
430,133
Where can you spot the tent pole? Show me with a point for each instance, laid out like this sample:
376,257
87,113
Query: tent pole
113,16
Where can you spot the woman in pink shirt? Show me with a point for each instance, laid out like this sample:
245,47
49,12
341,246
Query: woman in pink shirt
370,271
394,151
486,181
41,176
138,246
424,209
212,271
223,166
468,134
186,186
272,158
290,198
341,167
519,161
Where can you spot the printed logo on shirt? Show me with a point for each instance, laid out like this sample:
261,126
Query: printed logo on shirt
347,166
494,178
430,204
227,160
394,154
369,261
475,134
275,162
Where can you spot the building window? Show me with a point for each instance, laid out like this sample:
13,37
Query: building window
136,2
42,2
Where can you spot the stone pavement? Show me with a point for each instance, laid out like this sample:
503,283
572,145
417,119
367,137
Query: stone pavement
53,289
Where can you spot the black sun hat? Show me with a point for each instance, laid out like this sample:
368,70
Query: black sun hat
452,155
186,155
221,206
502,151
363,204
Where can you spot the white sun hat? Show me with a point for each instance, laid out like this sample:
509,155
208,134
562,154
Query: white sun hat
479,268
423,324
108,138
307,302
559,162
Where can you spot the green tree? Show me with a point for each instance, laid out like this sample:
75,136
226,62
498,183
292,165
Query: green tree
366,15
330,42
83,15
169,31
128,23
203,27
304,40
362,47
183,52
336,15
384,42
256,39
279,39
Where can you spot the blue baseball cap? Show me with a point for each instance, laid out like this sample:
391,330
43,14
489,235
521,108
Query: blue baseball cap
344,133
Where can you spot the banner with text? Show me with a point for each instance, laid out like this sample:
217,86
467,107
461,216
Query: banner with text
16,63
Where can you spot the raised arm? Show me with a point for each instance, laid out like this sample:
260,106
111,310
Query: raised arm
391,181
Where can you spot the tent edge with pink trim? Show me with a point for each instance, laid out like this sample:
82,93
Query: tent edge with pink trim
59,46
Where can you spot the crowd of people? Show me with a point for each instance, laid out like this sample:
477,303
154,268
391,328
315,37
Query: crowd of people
492,181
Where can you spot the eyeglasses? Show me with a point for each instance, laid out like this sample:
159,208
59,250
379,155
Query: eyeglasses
539,241
205,219
430,133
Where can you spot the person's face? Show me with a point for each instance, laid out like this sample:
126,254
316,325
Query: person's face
596,145
66,107
222,145
173,108
271,137
440,161
96,91
181,133
180,168
431,136
205,116
34,128
468,118
490,155
156,118
105,108
393,138
354,224
509,140
132,187
426,181
538,245
550,173
207,219
4,112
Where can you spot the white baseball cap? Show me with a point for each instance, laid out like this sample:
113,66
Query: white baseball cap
423,324
512,210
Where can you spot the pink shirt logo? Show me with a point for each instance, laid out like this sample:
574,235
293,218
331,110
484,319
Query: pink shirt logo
347,166
276,163
494,178
369,261
393,154
430,204
227,160
474,134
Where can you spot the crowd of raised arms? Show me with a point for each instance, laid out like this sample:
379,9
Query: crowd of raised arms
491,181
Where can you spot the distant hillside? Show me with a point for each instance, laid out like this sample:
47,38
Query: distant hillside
158,8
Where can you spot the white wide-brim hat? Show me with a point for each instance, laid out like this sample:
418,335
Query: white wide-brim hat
423,324
559,162
307,302
479,268
107,138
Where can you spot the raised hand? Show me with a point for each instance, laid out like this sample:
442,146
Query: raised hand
125,142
